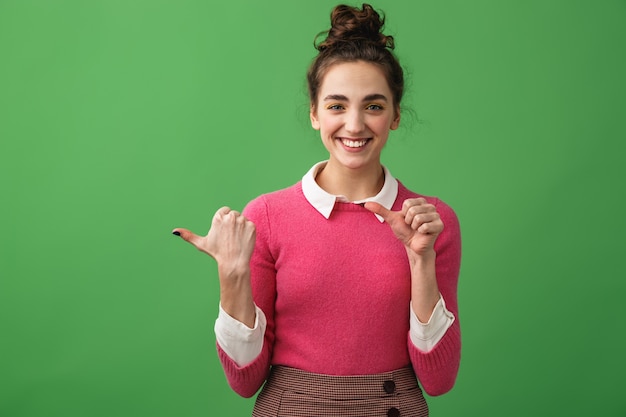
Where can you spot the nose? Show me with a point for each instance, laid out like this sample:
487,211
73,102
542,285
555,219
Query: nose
355,122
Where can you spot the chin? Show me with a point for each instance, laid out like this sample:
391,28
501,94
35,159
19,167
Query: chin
354,163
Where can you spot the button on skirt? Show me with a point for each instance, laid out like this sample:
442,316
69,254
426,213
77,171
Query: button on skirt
291,392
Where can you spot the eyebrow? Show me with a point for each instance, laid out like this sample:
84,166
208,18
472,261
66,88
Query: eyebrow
368,97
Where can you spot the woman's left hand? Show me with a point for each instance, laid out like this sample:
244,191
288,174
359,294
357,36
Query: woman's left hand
417,225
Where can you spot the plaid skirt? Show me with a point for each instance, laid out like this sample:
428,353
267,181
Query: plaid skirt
291,392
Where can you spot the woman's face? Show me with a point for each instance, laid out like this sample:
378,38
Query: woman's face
354,114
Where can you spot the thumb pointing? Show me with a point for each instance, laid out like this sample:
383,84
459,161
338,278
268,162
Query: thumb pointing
187,235
378,209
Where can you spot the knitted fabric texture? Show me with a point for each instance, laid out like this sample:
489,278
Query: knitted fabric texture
336,293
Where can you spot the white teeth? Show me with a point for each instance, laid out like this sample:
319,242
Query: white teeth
353,143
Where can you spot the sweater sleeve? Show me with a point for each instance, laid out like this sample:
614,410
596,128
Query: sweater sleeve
437,369
246,380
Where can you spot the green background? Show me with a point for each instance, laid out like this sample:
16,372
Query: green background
121,119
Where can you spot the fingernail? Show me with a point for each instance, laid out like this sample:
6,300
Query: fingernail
176,232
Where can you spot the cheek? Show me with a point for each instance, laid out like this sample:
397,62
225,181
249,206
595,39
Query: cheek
383,125
329,126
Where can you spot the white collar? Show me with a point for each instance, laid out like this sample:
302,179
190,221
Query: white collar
325,202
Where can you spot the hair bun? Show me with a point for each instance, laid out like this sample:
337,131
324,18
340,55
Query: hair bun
350,24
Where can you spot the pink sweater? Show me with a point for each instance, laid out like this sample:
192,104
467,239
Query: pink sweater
336,293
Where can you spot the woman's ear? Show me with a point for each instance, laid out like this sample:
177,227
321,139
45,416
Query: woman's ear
396,121
314,121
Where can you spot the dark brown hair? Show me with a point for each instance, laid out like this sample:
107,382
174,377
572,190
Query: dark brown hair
355,35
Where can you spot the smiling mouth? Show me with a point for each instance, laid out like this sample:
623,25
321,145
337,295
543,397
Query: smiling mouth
354,143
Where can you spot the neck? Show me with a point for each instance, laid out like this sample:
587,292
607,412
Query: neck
355,184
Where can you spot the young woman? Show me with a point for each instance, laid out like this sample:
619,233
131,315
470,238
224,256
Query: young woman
339,293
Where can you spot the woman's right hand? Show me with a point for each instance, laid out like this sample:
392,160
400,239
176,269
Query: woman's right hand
230,240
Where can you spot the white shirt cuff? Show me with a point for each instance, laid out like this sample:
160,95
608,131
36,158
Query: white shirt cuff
426,335
241,343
